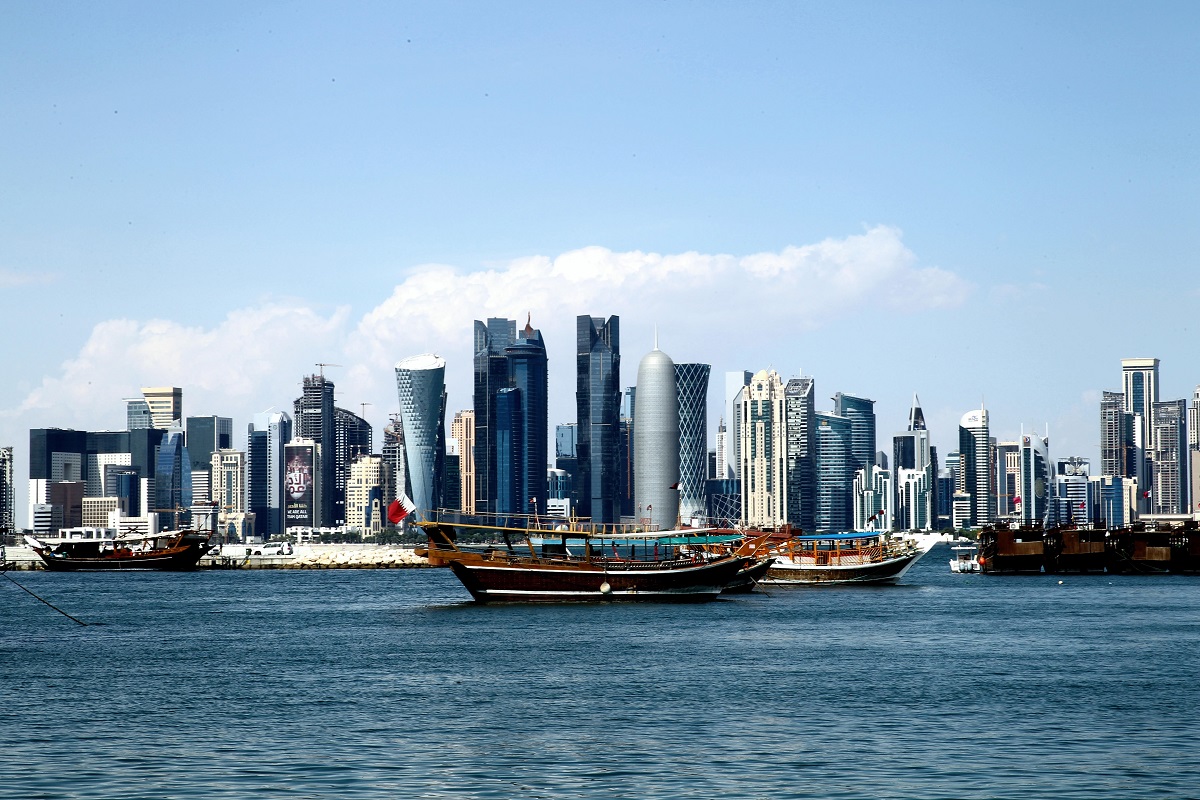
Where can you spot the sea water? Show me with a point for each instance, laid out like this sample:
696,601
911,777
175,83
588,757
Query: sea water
389,684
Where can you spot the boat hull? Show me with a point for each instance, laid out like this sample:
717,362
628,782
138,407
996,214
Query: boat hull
749,577
182,556
491,581
794,572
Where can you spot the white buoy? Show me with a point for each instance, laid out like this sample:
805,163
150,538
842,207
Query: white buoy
1060,583
605,588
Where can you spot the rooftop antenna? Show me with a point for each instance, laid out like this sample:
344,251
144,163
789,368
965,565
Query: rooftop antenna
656,336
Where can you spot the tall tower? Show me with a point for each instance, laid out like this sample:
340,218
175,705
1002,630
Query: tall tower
1034,479
1169,457
528,375
205,436
691,383
421,388
763,451
313,419
166,405
491,375
352,439
7,514
861,413
800,409
914,506
975,453
266,468
598,408
462,430
656,441
835,475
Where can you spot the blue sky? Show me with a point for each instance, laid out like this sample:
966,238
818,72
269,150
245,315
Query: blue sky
964,200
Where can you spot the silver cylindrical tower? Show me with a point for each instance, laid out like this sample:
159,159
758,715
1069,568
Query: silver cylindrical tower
656,441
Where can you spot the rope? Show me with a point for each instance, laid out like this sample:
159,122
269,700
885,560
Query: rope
35,597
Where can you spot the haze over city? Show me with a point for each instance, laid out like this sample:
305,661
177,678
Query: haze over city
989,203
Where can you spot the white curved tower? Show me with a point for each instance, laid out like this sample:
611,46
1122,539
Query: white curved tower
656,441
421,387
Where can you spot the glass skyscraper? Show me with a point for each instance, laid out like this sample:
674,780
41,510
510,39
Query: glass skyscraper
598,407
691,383
835,474
800,408
491,376
421,389
312,418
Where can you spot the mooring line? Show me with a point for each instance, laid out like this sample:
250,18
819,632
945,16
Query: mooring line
47,602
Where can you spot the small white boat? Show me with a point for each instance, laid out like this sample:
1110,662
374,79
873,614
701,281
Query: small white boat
965,559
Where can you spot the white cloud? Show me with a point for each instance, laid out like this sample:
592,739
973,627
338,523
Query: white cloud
716,307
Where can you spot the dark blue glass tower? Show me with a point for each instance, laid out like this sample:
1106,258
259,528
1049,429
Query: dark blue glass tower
598,405
528,375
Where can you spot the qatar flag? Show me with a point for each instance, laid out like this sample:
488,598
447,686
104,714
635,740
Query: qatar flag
400,508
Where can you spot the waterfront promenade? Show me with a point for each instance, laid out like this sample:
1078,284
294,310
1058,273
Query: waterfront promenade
258,556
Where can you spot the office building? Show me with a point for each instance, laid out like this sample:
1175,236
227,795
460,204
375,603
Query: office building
528,376
462,431
720,470
266,469
1118,455
137,414
313,418
1007,459
228,487
1032,505
491,376
8,520
691,382
835,476
173,479
395,461
872,499
364,494
1169,459
421,389
598,406
914,473
974,446
861,413
799,400
205,436
763,451
656,441
352,438
165,404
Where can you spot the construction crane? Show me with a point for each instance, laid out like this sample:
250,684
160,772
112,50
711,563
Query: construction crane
322,367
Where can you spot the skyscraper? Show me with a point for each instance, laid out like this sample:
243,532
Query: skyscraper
656,441
173,477
394,461
872,498
1169,457
205,436
598,405
528,375
1117,451
462,430
137,414
835,477
975,451
352,439
861,413
691,382
1034,481
228,485
763,450
734,383
313,418
491,375
914,474
421,389
7,512
800,409
266,469
165,404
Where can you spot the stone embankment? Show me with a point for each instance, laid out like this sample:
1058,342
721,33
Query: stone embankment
313,556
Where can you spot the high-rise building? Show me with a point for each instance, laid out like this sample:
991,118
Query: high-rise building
137,414
205,436
835,478
173,478
626,456
228,486
1169,458
861,413
799,401
720,470
734,383
915,474
395,461
166,405
1073,499
1007,457
8,522
364,494
491,376
266,469
462,431
598,406
313,418
1140,383
974,446
1034,481
353,438
421,389
872,499
691,382
528,374
763,451
1193,427
1117,451
656,441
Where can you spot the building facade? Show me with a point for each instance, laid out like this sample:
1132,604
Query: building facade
313,418
799,401
656,441
763,451
834,511
421,389
598,407
691,383
975,453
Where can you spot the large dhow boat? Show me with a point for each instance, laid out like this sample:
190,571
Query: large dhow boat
167,550
577,562
877,557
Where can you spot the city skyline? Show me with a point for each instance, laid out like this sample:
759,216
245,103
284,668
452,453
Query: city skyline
355,187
